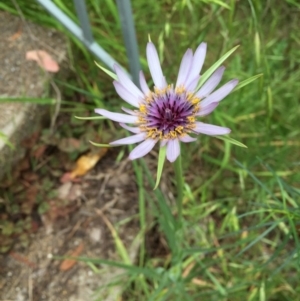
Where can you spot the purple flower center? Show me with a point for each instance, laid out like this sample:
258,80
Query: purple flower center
168,113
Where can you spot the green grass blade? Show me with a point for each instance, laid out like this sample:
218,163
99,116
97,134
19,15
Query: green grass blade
231,140
166,219
90,118
214,67
131,269
160,164
40,101
81,91
247,81
6,141
111,74
102,145
259,237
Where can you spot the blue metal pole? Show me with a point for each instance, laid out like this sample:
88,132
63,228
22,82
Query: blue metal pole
129,35
84,20
99,52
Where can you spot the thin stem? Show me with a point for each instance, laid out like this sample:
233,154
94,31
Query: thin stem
179,186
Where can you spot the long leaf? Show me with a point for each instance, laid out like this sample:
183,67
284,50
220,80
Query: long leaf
102,145
132,269
6,141
40,101
160,165
111,74
90,118
214,67
247,81
231,140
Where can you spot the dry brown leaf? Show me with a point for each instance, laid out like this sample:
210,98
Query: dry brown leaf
69,263
15,36
86,163
200,282
44,60
39,151
22,259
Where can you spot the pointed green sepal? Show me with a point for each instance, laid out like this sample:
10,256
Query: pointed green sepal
102,145
247,81
90,118
111,74
231,140
160,164
214,67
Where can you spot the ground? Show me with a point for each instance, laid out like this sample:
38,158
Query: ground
43,215
76,221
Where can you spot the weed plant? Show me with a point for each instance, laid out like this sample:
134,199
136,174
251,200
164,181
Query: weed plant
240,237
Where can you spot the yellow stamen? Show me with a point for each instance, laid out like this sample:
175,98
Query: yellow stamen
191,119
143,109
180,90
179,129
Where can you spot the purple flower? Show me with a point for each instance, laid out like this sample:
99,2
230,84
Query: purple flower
168,114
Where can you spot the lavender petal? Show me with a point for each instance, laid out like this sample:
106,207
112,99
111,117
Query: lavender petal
130,112
154,66
129,140
142,149
221,93
209,129
193,83
143,83
125,94
131,129
119,117
173,150
185,67
211,83
198,60
186,139
207,109
126,82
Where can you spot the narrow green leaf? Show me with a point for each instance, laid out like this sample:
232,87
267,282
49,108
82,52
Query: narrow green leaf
131,269
41,101
111,74
102,145
160,165
90,118
258,238
221,3
74,88
247,81
6,141
213,68
231,140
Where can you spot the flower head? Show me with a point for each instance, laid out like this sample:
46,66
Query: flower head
168,114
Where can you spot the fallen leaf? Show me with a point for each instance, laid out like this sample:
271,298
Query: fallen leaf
15,36
44,60
86,163
39,152
30,176
66,177
22,259
31,141
68,145
69,263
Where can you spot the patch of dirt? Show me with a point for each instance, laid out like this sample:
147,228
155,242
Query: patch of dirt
76,221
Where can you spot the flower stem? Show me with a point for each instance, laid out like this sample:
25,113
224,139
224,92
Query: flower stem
179,186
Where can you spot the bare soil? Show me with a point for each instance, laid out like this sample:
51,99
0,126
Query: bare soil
80,226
